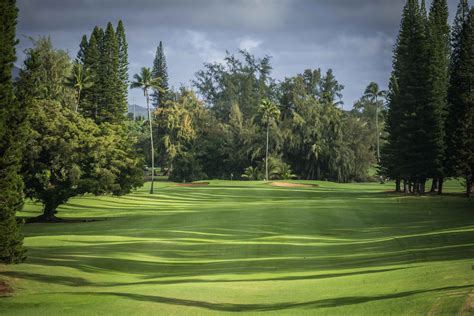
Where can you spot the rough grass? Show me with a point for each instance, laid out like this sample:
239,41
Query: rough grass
250,247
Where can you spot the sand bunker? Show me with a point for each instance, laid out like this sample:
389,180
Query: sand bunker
293,185
196,184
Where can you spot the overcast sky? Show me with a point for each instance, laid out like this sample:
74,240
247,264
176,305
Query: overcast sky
353,37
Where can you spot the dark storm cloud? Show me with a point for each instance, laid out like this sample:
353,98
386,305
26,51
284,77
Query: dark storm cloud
355,38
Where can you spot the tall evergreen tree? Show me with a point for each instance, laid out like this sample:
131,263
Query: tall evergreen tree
403,155
110,108
89,105
453,88
389,155
433,111
81,54
461,113
423,12
160,70
122,63
12,139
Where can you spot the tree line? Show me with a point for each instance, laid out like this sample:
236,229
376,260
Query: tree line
430,119
246,125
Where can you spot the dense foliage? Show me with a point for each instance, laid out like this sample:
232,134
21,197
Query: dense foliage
247,116
105,57
69,154
12,138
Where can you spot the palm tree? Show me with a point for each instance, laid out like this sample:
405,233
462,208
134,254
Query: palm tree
372,93
79,79
145,81
269,112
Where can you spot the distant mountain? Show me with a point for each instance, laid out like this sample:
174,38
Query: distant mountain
139,110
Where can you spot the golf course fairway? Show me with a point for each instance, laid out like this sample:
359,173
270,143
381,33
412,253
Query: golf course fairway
227,247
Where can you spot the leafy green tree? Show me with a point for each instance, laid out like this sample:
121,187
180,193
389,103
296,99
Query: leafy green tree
175,127
160,70
79,79
70,155
179,124
269,113
146,82
331,90
12,138
245,81
47,69
373,93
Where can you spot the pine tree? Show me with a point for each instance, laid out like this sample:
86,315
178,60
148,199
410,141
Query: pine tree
110,108
403,155
423,12
388,161
453,89
92,61
160,70
462,106
433,110
81,55
460,19
11,141
123,63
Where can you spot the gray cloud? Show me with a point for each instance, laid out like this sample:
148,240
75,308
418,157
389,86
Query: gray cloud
354,38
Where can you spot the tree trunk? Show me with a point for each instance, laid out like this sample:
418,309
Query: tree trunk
49,211
440,185
78,99
397,185
377,129
469,186
422,186
151,141
266,156
434,185
405,186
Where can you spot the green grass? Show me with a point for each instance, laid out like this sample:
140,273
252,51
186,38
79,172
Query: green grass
246,246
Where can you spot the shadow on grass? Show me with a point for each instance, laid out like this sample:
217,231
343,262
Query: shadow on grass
229,307
59,220
75,281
